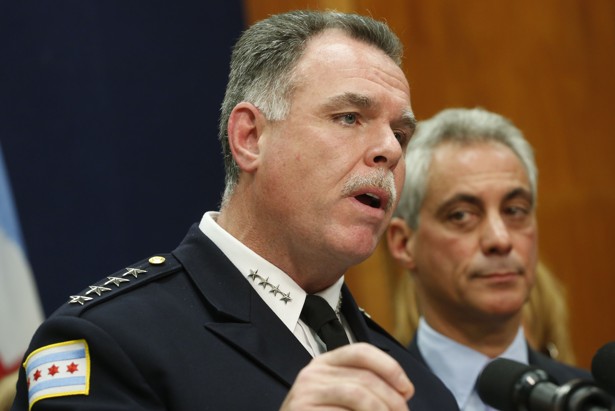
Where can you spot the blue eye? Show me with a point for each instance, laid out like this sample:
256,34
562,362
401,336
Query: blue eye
349,118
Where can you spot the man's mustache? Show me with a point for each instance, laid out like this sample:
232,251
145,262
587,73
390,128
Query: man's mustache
380,178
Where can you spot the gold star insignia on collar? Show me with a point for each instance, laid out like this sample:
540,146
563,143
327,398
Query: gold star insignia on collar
97,289
79,299
117,281
133,271
275,290
254,275
286,298
265,282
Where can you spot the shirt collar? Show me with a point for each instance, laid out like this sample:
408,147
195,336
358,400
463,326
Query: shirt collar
457,365
274,286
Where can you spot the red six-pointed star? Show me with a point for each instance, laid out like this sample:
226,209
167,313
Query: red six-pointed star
37,375
53,370
72,367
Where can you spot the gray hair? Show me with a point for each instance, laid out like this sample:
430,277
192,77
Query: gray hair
264,59
464,127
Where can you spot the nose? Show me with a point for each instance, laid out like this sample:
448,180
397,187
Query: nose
495,237
385,151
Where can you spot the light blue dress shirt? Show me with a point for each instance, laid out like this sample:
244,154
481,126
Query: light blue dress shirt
459,366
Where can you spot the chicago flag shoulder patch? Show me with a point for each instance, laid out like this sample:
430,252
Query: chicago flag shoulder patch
58,370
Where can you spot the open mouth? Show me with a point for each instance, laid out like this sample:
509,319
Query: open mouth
369,199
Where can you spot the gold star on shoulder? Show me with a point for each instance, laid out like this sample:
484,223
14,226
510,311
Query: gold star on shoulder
79,299
117,281
98,289
133,271
275,290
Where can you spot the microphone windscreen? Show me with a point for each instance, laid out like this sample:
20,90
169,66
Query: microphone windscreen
496,383
603,367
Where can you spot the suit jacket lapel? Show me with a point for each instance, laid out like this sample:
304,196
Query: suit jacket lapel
266,340
244,321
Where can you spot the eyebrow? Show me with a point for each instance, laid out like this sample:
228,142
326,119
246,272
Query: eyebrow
459,198
520,192
349,99
407,119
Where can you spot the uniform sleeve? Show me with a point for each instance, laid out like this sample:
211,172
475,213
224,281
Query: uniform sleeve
72,364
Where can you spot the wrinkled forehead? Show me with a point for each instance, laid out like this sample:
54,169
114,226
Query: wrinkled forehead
472,148
335,51
467,161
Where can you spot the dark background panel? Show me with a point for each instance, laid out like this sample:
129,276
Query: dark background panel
108,121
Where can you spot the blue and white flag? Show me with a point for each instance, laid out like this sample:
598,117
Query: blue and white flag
58,370
20,306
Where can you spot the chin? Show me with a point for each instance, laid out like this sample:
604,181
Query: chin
354,243
358,251
505,309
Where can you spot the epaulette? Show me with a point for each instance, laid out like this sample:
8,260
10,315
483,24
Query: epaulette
132,277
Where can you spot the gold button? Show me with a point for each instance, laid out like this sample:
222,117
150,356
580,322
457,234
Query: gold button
157,260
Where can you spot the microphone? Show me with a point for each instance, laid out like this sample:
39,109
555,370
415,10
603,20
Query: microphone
511,386
603,367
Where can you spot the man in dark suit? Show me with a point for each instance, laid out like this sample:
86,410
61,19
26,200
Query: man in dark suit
251,310
466,229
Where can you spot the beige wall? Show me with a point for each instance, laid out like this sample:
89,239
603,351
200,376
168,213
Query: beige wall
550,67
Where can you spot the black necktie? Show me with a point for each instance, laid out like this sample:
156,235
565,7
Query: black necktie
319,315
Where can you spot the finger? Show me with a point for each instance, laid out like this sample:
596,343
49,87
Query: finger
364,391
357,398
368,357
322,387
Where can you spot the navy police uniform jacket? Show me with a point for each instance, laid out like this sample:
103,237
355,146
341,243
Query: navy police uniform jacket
186,333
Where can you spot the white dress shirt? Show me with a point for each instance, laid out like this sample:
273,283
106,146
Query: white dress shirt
275,287
459,366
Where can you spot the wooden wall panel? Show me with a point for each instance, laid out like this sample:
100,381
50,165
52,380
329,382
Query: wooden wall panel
549,66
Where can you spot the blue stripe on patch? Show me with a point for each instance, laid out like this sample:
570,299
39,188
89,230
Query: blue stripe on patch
60,356
62,382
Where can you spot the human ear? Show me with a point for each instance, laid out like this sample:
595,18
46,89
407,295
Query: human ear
245,126
399,238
